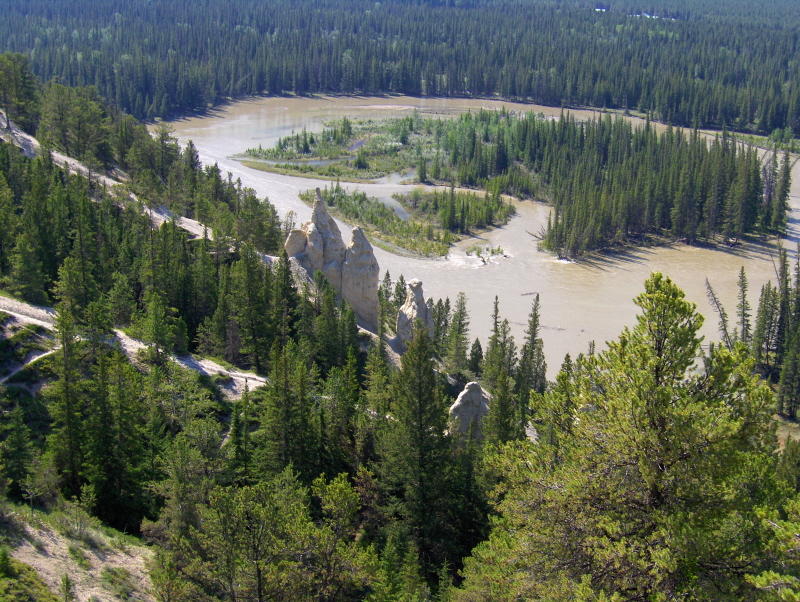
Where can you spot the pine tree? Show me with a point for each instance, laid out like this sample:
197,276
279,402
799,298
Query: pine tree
284,300
9,218
26,278
16,453
458,337
104,466
250,307
476,357
789,383
414,453
158,329
743,309
503,420
780,199
659,471
287,435
66,441
120,299
764,333
532,368
239,462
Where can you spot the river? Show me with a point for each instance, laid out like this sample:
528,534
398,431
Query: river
581,302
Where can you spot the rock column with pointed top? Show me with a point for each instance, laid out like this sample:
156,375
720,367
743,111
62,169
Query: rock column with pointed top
360,275
468,410
352,271
413,309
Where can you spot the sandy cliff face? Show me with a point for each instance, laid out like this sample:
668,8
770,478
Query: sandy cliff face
360,275
468,410
352,270
414,308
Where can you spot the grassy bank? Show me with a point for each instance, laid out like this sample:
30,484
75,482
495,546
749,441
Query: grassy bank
436,219
382,224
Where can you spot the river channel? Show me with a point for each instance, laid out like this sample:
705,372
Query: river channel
581,302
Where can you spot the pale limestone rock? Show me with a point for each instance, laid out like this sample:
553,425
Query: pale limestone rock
360,275
295,243
413,309
352,271
315,248
468,410
333,244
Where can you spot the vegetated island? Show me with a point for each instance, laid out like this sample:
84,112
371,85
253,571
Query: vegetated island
429,221
609,182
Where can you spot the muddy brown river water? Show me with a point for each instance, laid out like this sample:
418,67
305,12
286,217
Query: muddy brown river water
581,302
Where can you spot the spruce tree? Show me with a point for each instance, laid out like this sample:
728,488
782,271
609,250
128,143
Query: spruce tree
476,357
666,468
158,327
16,453
66,442
743,309
9,219
414,452
26,277
532,368
458,337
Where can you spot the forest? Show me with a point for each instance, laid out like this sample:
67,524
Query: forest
433,221
694,65
609,181
650,469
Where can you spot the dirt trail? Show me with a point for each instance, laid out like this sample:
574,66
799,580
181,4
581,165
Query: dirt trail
31,147
31,360
45,316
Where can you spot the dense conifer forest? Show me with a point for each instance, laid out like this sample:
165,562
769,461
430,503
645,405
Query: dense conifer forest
685,62
649,469
609,181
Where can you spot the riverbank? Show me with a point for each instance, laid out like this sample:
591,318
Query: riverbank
581,301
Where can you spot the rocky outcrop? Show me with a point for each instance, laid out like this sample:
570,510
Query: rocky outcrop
352,271
318,245
468,410
360,274
295,243
413,309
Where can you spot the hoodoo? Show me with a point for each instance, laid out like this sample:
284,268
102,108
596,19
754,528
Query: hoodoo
414,308
468,409
353,271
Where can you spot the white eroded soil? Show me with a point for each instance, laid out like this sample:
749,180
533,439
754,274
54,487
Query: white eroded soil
45,316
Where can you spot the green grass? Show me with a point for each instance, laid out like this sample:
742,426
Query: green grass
19,582
117,581
79,557
24,340
381,223
383,147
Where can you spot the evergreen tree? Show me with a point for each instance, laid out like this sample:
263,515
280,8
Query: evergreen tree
25,278
503,420
458,337
414,453
743,309
66,442
9,218
666,471
476,357
240,456
287,435
532,368
16,453
158,329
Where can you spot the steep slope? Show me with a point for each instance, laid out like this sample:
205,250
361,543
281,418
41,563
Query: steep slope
25,313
